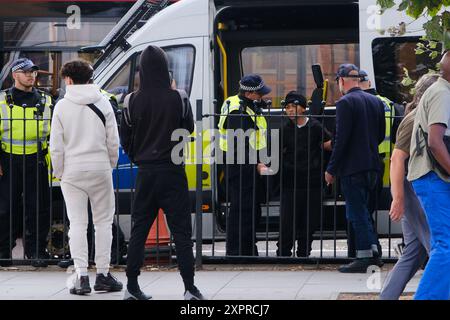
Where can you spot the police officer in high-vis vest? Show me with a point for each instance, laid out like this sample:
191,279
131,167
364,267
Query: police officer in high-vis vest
24,188
243,111
392,113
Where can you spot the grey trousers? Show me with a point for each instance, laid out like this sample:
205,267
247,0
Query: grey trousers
416,235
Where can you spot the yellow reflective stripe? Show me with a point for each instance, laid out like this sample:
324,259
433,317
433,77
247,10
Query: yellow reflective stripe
21,143
4,115
47,117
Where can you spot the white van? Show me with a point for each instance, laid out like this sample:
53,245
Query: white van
211,44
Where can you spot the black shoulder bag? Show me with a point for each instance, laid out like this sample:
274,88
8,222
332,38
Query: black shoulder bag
129,122
436,165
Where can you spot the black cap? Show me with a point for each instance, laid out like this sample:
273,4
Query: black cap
254,82
363,75
295,97
345,70
23,64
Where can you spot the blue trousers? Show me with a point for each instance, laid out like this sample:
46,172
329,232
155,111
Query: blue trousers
357,188
434,195
416,235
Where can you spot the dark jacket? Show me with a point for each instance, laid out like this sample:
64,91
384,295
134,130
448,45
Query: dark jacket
360,128
302,154
155,112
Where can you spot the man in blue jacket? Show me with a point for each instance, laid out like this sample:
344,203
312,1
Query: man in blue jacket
360,128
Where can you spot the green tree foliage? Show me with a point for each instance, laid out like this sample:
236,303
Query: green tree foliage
437,28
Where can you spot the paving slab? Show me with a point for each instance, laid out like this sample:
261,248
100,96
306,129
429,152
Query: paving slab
231,283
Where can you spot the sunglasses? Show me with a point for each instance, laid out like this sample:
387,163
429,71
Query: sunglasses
28,72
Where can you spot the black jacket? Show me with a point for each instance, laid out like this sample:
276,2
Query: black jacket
302,153
155,112
360,128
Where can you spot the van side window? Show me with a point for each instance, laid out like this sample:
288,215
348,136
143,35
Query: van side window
390,56
181,66
286,68
119,83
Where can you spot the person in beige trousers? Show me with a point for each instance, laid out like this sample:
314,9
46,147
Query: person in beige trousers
84,148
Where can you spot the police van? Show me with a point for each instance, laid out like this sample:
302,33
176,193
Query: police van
212,43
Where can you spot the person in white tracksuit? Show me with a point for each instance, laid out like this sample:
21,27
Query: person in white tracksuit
84,148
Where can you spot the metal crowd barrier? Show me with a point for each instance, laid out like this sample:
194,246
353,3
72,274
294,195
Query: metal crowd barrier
210,222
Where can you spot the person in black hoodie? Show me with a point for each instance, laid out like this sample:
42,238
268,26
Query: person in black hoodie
151,115
303,140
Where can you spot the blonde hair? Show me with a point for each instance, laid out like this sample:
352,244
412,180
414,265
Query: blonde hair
421,86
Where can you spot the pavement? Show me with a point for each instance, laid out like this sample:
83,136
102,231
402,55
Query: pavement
216,282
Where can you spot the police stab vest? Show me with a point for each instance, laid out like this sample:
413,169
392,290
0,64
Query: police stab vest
385,146
257,138
24,129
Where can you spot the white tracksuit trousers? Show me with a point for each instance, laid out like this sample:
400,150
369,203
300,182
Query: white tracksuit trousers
96,186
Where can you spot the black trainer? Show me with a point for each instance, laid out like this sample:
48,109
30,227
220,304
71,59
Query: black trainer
5,260
138,295
39,261
65,263
359,265
82,286
377,256
108,283
193,294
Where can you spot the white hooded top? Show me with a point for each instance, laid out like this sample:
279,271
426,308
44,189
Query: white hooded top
78,140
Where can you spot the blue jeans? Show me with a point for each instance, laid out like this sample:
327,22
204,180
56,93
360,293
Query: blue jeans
356,188
434,195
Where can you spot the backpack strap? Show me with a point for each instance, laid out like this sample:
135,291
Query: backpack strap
97,111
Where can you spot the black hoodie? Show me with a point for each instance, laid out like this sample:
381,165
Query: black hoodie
155,111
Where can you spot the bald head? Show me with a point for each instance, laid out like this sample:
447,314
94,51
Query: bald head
445,66
347,83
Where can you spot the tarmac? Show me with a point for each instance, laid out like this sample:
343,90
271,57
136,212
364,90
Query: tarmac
216,282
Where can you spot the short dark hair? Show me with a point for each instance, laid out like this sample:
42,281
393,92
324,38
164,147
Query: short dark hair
78,70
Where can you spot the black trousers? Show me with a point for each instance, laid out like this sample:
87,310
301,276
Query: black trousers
244,213
24,205
162,187
307,220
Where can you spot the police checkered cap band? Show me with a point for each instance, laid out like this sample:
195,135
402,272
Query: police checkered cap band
247,88
26,63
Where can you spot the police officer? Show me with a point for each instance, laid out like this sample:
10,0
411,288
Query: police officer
393,114
243,111
24,130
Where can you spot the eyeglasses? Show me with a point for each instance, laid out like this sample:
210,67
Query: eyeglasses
28,72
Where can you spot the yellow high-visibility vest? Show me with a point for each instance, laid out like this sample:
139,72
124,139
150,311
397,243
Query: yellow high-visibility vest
22,130
257,138
110,96
385,146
